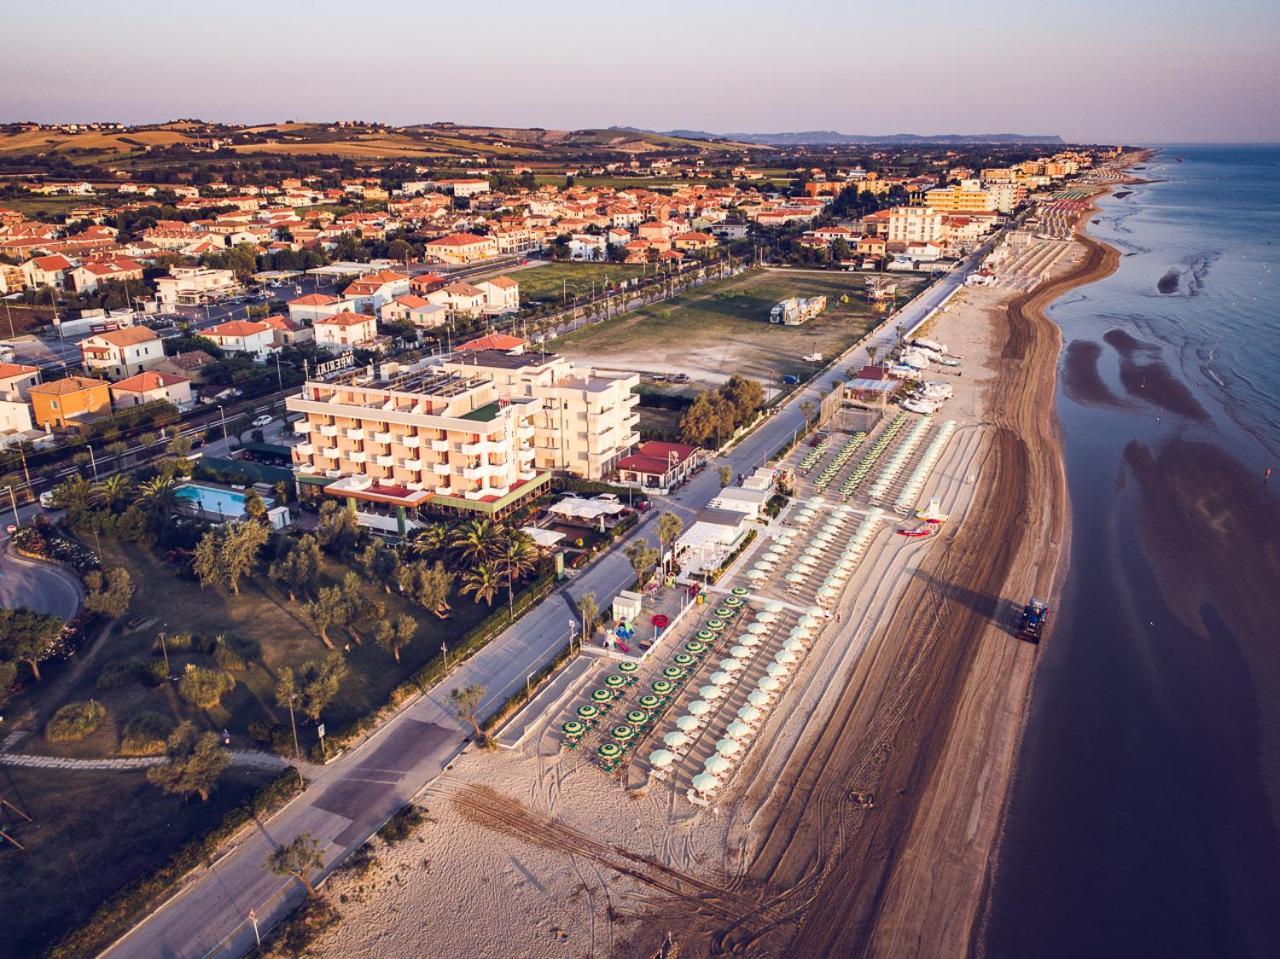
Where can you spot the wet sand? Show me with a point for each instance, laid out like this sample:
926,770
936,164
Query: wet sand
1081,380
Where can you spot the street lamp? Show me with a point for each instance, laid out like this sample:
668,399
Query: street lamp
13,501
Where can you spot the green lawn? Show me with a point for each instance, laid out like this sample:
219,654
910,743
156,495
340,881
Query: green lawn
548,283
73,862
261,613
722,327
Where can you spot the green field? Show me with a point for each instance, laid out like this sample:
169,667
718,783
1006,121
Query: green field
722,328
549,283
73,862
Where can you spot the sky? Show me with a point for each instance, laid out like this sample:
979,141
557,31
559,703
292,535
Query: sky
1134,71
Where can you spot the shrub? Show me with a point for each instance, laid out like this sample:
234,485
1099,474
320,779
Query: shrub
75,721
204,688
121,672
228,659
401,826
145,735
157,672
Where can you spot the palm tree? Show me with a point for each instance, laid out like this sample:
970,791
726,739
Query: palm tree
160,494
112,491
74,494
517,560
476,540
430,541
484,580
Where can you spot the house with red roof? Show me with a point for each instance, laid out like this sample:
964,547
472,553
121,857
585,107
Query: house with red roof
243,336
86,277
121,353
659,467
411,308
287,332
372,290
459,248
47,270
494,341
345,330
150,387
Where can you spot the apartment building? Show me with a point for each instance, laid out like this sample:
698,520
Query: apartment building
345,330
69,401
195,286
121,353
243,336
966,197
586,420
417,438
18,378
458,248
913,224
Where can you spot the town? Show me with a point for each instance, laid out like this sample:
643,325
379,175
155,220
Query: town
318,461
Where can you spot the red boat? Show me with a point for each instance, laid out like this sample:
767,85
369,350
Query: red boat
920,533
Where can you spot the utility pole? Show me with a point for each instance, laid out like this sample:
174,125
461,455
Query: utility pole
13,501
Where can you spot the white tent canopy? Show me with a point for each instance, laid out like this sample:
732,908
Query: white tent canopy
589,509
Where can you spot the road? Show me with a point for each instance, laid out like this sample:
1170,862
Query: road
353,795
44,587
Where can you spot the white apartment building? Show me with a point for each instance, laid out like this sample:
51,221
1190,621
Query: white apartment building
195,286
342,331
417,438
243,336
586,420
15,419
914,224
121,353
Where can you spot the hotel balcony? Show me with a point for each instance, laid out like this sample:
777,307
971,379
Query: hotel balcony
414,465
355,434
441,469
527,454
445,490
304,449
410,442
526,475
328,431
302,427
479,472
386,460
440,446
525,432
383,438
331,452
357,456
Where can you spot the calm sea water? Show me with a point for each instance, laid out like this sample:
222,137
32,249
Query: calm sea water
1143,818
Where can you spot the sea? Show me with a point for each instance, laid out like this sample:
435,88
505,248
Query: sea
1144,817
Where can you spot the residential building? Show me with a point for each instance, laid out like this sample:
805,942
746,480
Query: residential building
195,286
460,299
91,273
47,270
315,306
151,387
586,420
501,295
411,308
345,330
966,197
18,378
372,290
288,332
420,440
659,467
914,224
15,419
121,353
459,248
70,401
692,241
493,341
587,246
243,336
191,364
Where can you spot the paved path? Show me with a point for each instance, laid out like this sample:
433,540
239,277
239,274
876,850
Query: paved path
352,796
251,758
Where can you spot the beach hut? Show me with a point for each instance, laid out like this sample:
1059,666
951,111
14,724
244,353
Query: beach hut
699,707
717,765
661,758
676,739
728,747
705,783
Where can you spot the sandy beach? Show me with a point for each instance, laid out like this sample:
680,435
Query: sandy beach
915,694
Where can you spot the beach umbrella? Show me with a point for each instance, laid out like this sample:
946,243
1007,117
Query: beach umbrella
715,625
757,629
817,611
610,751
808,621
749,714
794,645
740,652
827,592
759,698
694,646
737,729
724,612
661,687
601,695
749,640
773,606
735,601
637,717
573,728
777,669
622,733
682,659
661,758
687,723
705,635
628,667
766,617
719,678
650,701
728,747
699,707
737,591
757,573
675,739
717,765
673,672
794,578
731,664
785,656
710,693
705,783
614,681
588,711
769,684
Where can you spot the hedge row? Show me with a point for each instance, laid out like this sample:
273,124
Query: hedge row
519,697
729,560
119,913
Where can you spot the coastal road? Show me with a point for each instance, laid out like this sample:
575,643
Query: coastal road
354,794
44,587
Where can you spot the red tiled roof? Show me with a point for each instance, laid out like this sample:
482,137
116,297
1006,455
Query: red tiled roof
236,328
149,380
493,341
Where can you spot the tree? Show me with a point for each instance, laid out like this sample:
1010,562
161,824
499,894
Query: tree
477,540
254,508
193,764
746,397
108,594
331,608
338,528
287,697
670,526
516,560
28,637
589,611
75,495
726,475
112,491
395,634
299,859
644,558
430,541
318,683
298,569
204,688
428,585
224,555
159,494
484,581
466,703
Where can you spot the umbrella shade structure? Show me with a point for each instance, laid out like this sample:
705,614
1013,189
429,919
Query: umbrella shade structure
800,632
673,672
710,693
759,698
628,667
573,728
777,669
724,612
793,645
816,611
682,659
705,635
764,565
769,684
758,573
661,687
661,758
773,606
614,681
808,621
737,729
705,783
794,578
719,678
649,701
676,739
660,620
827,592
728,747
766,617
687,723
735,601
756,629
731,664
601,695
785,656
610,751
749,714
694,646
588,711
750,640
637,716
717,765
699,707
738,591
622,733
739,652
715,625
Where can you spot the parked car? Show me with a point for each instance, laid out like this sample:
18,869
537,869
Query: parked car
262,420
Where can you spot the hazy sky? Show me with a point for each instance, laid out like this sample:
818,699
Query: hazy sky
1121,70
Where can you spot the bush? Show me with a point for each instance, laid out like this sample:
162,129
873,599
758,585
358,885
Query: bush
204,688
234,654
157,672
401,826
121,672
293,937
145,735
75,721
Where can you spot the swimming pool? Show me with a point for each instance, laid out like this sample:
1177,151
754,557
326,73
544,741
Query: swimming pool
213,501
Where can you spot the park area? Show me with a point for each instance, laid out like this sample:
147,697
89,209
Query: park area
557,283
722,328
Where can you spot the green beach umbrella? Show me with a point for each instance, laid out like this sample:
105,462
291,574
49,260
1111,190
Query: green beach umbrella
573,728
615,681
622,733
662,687
601,695
649,702
609,751
694,646
588,711
637,716
673,672
628,667
682,659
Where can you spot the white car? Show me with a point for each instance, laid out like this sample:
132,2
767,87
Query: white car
262,420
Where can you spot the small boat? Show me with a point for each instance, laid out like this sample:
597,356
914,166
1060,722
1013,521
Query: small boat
920,532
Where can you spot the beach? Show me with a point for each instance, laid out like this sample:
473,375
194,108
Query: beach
915,695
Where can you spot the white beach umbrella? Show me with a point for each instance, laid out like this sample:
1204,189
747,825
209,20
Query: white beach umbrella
827,592
794,645
757,574
710,692
749,640
794,578
699,707
759,698
719,678
769,684
784,656
676,739
737,729
777,669
728,747
717,765
817,611
749,714
705,783
766,617
739,652
808,621
757,629
661,758
687,723
732,664
773,606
